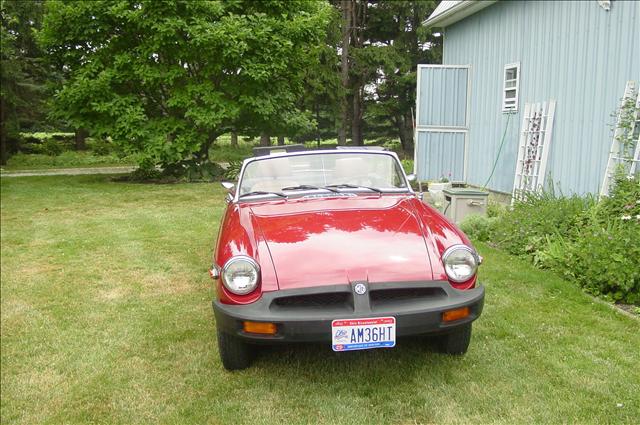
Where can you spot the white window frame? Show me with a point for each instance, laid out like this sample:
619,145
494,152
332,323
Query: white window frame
513,102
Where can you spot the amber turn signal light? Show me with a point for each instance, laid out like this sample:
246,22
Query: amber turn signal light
457,314
259,328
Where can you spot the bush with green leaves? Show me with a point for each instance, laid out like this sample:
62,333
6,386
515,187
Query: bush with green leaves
51,147
142,175
478,227
233,171
407,165
523,230
51,144
194,170
596,245
602,259
100,146
623,201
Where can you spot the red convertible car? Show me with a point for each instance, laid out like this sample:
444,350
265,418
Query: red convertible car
334,246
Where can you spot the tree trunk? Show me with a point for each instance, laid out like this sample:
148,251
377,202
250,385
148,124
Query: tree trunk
347,8
359,13
203,153
280,140
356,120
397,121
265,140
405,131
234,139
318,125
81,139
409,132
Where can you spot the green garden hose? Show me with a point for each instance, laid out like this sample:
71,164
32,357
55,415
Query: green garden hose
506,126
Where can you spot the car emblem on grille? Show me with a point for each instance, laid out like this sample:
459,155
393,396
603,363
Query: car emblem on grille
360,288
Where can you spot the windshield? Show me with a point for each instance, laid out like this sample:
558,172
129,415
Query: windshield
338,170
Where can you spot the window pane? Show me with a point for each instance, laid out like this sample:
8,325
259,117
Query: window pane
510,84
510,94
511,74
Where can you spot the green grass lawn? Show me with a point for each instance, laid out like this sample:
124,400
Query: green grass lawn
106,318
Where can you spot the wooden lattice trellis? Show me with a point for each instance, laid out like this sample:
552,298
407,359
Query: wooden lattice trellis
533,150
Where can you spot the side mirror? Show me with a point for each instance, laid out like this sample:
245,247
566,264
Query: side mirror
411,177
231,189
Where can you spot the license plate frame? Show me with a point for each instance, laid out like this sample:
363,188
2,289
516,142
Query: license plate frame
352,334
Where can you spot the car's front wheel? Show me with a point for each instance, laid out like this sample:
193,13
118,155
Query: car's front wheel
234,353
457,341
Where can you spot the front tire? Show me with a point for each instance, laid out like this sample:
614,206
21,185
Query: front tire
455,342
234,353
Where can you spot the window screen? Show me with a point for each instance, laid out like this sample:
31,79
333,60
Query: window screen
511,87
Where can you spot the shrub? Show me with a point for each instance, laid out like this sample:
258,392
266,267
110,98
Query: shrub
51,147
51,144
604,260
495,209
595,245
233,170
407,165
524,229
623,200
142,175
192,170
478,227
101,147
393,145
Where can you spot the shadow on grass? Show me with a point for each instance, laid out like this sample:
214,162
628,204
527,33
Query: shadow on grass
299,362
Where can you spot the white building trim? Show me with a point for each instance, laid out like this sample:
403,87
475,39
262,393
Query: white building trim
451,11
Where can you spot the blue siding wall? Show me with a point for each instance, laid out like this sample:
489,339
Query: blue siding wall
442,155
443,97
573,52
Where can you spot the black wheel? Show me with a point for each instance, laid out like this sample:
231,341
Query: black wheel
457,341
234,353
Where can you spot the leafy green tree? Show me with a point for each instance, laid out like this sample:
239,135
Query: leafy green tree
397,41
165,78
23,74
323,89
381,45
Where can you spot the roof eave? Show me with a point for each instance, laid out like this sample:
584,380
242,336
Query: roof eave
458,12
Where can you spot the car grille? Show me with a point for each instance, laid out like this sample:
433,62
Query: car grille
390,297
381,300
322,300
404,293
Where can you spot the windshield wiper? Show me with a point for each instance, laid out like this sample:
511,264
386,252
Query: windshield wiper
261,192
309,187
352,186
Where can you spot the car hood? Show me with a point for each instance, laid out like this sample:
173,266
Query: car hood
341,240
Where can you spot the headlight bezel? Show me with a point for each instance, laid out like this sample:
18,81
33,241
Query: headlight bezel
232,261
459,247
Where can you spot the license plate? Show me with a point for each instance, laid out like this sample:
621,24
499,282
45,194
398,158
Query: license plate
363,334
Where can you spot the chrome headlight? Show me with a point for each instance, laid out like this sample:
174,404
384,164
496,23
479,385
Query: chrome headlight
460,263
241,274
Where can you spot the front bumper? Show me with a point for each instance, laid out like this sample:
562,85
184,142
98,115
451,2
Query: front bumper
305,315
